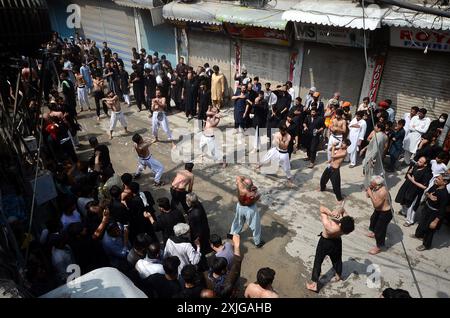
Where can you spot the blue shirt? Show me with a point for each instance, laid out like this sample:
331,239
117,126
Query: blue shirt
114,248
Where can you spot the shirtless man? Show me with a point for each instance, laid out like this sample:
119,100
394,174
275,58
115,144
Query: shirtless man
113,102
207,139
335,224
99,85
382,215
332,171
263,286
182,184
246,210
126,191
145,159
159,116
338,130
82,91
280,153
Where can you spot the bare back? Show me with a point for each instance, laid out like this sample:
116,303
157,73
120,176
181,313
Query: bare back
143,149
114,103
256,291
281,141
381,202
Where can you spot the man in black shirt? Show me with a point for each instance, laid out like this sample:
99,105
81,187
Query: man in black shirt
150,87
192,287
312,130
190,95
167,219
260,110
139,205
118,60
163,286
117,211
433,212
204,100
137,80
107,53
104,159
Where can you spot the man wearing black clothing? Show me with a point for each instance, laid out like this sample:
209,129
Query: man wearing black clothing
163,286
434,211
190,95
118,60
137,80
107,53
104,159
192,287
260,110
139,205
117,211
283,102
167,219
68,91
150,87
204,100
312,130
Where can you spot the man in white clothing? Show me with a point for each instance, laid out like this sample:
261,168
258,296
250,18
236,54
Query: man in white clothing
418,126
407,117
159,116
180,246
146,159
151,264
309,97
270,96
357,132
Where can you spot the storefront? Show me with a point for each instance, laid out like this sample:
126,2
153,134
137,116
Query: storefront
421,59
333,60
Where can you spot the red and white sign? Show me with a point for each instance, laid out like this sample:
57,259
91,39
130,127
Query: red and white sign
420,39
376,78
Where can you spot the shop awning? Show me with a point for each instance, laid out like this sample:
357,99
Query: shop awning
270,19
399,17
335,13
200,12
140,4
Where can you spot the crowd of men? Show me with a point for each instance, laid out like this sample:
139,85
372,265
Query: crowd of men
106,219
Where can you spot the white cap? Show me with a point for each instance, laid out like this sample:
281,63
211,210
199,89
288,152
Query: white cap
313,89
180,229
245,81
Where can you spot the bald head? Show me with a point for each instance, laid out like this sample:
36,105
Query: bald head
207,293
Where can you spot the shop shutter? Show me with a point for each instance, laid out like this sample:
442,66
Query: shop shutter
331,69
412,78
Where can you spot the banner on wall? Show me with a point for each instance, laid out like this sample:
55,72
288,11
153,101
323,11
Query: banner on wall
376,78
330,35
419,39
237,62
264,35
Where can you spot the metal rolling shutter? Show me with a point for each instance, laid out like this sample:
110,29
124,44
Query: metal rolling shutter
104,21
214,49
269,62
332,69
411,78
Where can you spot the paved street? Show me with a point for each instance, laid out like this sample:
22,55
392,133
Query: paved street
290,219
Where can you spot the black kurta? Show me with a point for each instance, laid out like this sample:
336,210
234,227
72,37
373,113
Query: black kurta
408,191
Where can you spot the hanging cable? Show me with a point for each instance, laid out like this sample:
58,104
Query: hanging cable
380,159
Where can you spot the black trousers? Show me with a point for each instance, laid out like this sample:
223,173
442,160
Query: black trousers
311,147
423,229
139,96
178,197
98,95
335,176
379,222
332,248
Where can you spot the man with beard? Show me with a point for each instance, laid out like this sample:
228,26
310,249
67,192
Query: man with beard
313,127
204,100
190,95
260,109
137,80
217,87
240,103
124,84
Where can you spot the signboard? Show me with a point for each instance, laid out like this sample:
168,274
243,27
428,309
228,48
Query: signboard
330,35
264,35
418,39
376,78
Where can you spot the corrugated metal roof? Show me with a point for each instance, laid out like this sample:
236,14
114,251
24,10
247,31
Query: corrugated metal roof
200,12
336,13
255,17
142,4
399,17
